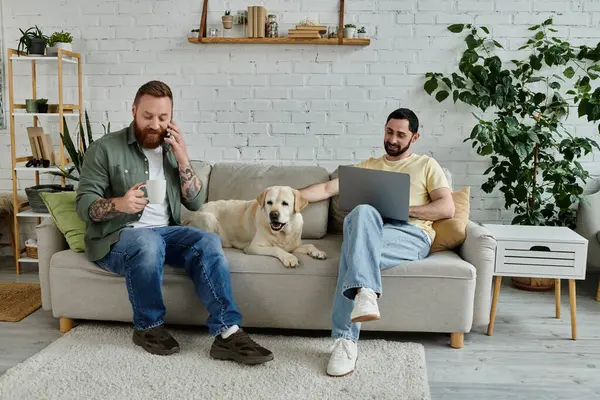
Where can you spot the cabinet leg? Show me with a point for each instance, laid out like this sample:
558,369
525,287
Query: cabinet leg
598,292
497,284
66,324
573,302
457,340
557,295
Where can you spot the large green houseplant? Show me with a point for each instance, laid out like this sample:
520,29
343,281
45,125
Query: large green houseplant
76,154
534,157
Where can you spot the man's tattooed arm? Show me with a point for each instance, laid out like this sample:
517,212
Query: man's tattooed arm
103,210
190,183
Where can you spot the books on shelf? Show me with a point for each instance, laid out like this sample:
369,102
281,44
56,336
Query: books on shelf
257,21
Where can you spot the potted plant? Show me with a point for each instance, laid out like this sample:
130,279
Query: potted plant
77,153
533,155
59,40
349,30
194,33
33,41
42,106
227,20
362,32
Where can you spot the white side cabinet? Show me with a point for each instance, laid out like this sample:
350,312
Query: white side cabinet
539,252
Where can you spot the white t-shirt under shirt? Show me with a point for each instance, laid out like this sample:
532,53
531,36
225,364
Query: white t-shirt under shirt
154,214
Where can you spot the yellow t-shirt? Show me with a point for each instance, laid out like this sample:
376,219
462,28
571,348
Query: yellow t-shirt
426,175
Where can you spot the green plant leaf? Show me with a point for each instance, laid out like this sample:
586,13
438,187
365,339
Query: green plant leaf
533,28
555,85
441,95
547,22
455,96
569,72
540,35
485,29
486,150
430,86
448,82
497,44
456,28
582,109
471,42
539,98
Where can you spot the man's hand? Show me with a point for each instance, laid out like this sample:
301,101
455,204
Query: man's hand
133,202
105,209
177,144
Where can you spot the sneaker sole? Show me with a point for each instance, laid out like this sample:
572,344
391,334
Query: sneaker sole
339,376
366,318
228,355
166,352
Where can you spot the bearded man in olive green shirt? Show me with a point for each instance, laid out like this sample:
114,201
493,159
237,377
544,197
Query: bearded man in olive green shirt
129,236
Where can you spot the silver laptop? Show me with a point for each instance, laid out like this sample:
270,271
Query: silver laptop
388,192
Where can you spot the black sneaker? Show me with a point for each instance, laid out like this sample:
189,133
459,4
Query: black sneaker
156,341
239,347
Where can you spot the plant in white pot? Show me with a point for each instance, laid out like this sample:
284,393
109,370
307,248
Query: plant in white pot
349,30
60,40
362,32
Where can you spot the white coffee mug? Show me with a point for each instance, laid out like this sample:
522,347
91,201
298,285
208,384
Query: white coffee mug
156,189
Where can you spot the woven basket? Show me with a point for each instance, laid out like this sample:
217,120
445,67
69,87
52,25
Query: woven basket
32,251
35,200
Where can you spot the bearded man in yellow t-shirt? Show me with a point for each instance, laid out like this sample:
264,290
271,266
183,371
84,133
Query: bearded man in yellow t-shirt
372,243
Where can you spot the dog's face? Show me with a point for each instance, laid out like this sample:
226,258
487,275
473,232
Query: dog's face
280,203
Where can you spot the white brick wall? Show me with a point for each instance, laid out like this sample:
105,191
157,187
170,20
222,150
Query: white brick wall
297,104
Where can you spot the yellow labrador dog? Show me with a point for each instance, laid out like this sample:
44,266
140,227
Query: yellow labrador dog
271,225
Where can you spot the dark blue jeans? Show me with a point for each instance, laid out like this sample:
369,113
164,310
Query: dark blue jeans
139,256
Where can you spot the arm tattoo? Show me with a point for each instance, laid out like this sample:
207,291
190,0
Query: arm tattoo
190,183
103,210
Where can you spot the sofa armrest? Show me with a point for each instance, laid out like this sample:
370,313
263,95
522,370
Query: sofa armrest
50,241
479,250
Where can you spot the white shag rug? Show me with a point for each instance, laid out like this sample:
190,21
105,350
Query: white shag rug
95,361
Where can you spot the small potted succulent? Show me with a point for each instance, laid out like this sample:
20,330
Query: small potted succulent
60,40
194,33
349,30
42,106
362,32
33,41
227,20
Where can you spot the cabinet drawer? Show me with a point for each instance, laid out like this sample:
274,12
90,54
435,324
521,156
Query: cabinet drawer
534,259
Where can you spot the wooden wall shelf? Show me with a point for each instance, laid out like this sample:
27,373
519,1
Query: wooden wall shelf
339,40
281,40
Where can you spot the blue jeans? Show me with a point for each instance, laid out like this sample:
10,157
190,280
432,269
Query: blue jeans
139,256
370,245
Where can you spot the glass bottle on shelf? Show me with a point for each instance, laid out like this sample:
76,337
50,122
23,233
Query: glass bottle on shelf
272,26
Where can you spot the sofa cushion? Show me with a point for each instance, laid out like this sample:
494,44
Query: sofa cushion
336,216
61,206
243,181
452,232
444,264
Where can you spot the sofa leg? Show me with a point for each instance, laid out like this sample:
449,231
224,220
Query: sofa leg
66,324
457,340
598,293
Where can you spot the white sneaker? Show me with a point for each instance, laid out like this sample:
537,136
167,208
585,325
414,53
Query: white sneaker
343,358
365,306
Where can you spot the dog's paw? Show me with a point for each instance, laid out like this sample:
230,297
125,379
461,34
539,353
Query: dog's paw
290,261
318,254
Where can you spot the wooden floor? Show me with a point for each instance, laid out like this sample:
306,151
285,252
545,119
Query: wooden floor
530,356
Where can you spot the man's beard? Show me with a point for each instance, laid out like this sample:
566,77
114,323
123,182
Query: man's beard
148,137
395,151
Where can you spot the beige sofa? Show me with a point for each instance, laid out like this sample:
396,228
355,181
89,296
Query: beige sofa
588,226
447,292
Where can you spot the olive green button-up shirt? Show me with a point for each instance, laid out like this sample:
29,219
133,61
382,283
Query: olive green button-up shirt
112,165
